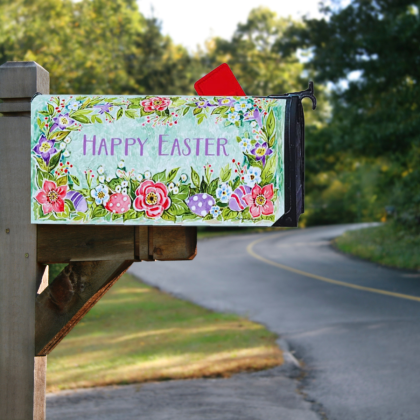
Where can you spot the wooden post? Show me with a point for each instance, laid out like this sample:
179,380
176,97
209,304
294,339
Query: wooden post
20,273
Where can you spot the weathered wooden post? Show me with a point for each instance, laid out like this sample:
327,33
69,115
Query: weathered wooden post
22,377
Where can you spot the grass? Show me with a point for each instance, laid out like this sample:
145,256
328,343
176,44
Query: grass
388,244
137,333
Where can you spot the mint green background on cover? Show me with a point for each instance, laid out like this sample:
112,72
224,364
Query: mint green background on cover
125,127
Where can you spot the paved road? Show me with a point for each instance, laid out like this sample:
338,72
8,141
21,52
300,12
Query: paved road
352,325
360,349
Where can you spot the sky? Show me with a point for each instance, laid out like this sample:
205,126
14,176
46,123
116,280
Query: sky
191,22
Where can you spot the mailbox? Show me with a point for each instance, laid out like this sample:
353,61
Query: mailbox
168,160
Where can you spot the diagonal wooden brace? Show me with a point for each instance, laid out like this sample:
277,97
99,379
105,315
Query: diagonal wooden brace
67,300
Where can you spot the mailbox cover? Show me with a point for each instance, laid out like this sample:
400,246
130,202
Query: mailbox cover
165,160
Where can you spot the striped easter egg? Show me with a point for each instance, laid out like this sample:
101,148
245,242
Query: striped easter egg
79,202
236,200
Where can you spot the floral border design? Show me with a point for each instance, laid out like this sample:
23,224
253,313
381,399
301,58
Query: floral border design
243,192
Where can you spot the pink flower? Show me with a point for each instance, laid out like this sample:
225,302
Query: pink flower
155,104
259,200
51,197
153,198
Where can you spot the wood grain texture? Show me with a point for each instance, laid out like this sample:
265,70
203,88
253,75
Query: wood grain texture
67,300
66,243
20,274
173,243
40,386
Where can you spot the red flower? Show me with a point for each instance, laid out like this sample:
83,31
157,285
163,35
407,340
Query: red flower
51,197
153,198
259,200
155,104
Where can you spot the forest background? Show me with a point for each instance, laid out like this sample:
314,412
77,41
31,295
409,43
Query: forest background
362,142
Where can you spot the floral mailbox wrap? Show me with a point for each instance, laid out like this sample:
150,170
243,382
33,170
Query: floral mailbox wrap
161,160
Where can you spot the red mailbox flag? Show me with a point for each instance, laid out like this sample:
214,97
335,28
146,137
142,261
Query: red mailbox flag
219,82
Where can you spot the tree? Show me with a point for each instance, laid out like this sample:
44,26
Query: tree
375,114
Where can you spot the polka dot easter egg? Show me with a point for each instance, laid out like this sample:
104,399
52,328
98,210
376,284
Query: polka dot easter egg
200,204
118,203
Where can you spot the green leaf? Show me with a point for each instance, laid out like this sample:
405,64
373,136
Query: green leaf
183,193
185,111
253,161
99,211
213,186
62,181
220,110
58,135
269,170
143,113
95,118
203,186
119,113
200,119
54,161
160,177
40,123
238,139
178,102
208,217
131,114
225,173
169,217
270,124
236,183
81,118
246,214
130,215
178,208
190,216
50,109
70,204
116,216
229,214
272,140
195,178
81,112
75,180
45,113
197,111
172,174
272,218
41,164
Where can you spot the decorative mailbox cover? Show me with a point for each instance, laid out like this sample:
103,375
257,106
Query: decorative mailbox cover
158,160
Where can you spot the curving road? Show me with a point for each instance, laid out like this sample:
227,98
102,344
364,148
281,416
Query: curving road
354,326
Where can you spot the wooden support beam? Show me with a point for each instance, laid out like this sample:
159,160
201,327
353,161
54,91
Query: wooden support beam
70,243
22,381
67,300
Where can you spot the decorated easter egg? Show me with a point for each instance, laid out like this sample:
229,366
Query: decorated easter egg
79,202
236,200
118,203
200,204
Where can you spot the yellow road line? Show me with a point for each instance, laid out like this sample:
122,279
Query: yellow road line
251,251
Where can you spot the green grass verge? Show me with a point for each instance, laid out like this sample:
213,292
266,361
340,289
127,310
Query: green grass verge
137,333
388,244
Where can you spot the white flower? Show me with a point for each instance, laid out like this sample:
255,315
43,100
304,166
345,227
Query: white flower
118,188
176,190
124,191
124,184
253,124
67,140
102,179
245,144
147,175
171,186
100,194
66,153
184,177
121,164
109,178
101,170
63,146
253,176
224,192
73,105
139,177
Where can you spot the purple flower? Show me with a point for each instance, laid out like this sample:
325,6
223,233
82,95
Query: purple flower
203,104
226,102
45,148
62,121
257,117
104,108
260,151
